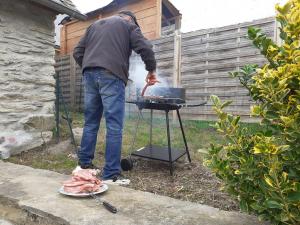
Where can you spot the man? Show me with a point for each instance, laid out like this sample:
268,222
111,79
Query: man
103,53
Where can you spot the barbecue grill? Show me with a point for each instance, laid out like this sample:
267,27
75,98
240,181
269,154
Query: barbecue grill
162,99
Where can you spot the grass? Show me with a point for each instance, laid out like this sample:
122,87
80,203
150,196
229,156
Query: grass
60,162
199,135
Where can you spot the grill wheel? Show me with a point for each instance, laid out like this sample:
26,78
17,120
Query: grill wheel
127,164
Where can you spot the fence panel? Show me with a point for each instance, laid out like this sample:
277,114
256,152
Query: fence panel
62,68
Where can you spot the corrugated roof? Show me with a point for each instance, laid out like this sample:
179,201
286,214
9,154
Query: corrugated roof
62,6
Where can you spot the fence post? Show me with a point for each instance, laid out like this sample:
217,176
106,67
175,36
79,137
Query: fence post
177,59
277,38
72,82
177,64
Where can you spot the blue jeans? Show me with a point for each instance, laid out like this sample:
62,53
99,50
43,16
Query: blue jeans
104,93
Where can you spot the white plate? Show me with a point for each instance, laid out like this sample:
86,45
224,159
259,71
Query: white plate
102,189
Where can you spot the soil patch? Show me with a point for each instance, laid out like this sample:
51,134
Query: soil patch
190,182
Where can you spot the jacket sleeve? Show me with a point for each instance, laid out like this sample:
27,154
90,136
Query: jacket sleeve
143,47
78,52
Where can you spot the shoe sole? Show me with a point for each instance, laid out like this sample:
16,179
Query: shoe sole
118,182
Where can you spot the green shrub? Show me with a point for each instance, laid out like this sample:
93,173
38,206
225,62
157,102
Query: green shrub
263,169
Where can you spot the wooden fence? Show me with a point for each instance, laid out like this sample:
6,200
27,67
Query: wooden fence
206,58
198,61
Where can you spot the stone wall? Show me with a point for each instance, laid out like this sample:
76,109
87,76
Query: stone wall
26,74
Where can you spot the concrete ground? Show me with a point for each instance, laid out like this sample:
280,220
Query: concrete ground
30,196
4,222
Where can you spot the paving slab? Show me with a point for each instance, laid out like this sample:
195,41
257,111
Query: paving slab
34,193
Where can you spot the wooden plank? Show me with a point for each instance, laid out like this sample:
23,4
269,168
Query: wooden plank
207,110
220,65
220,94
188,76
79,25
164,56
163,40
152,11
71,44
255,59
210,82
269,20
237,100
162,51
165,66
150,35
186,59
192,40
149,28
205,83
76,34
220,91
215,48
163,47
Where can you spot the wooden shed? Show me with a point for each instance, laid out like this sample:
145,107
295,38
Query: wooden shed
152,16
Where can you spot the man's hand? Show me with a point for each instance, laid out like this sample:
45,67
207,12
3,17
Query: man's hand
151,79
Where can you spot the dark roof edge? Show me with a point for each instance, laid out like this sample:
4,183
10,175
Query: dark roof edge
116,3
172,7
95,12
108,7
61,9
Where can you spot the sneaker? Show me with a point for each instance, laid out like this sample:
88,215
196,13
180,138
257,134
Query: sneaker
76,169
117,180
89,166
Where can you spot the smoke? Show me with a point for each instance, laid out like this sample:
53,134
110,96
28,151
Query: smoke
138,73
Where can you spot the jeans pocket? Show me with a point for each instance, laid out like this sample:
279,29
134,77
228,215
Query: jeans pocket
111,85
87,77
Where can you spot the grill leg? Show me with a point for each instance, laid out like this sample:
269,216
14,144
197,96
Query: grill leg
183,135
169,143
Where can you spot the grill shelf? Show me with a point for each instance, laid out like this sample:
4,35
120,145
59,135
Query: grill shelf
158,153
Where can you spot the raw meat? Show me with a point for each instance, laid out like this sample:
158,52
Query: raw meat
85,188
82,181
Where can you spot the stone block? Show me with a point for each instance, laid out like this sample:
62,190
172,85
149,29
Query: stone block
78,131
40,122
15,142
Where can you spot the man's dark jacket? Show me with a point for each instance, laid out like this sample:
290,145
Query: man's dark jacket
108,43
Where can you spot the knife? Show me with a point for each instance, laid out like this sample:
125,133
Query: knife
106,204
